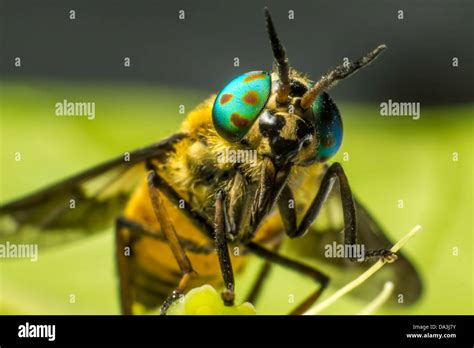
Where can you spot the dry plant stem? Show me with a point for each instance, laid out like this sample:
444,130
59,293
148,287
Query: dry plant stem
363,277
379,300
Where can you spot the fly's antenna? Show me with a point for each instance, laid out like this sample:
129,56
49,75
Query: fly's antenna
341,72
281,61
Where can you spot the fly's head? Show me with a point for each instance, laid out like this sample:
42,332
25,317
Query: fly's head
282,115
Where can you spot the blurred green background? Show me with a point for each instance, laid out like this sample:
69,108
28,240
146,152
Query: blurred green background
390,159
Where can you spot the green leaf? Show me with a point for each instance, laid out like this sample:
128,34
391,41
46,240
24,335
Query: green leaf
205,300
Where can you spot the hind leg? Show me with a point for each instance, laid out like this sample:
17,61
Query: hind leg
318,276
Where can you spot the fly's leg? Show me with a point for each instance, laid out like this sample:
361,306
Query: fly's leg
174,197
260,280
127,230
296,266
288,216
173,241
262,276
334,172
218,233
228,294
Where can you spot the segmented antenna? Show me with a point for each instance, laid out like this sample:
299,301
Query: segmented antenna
280,59
341,72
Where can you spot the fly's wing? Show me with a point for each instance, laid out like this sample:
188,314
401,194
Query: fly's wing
80,205
328,228
404,275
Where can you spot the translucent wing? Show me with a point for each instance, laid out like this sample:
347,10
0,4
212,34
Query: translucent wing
80,205
328,229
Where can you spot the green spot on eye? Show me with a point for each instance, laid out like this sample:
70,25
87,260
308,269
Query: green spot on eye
239,103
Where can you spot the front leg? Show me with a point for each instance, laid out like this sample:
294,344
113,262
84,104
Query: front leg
223,251
335,171
158,186
170,234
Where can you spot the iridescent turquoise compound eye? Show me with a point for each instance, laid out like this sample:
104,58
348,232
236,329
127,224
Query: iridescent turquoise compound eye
328,127
239,103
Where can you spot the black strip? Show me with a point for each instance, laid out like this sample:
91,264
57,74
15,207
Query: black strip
290,330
